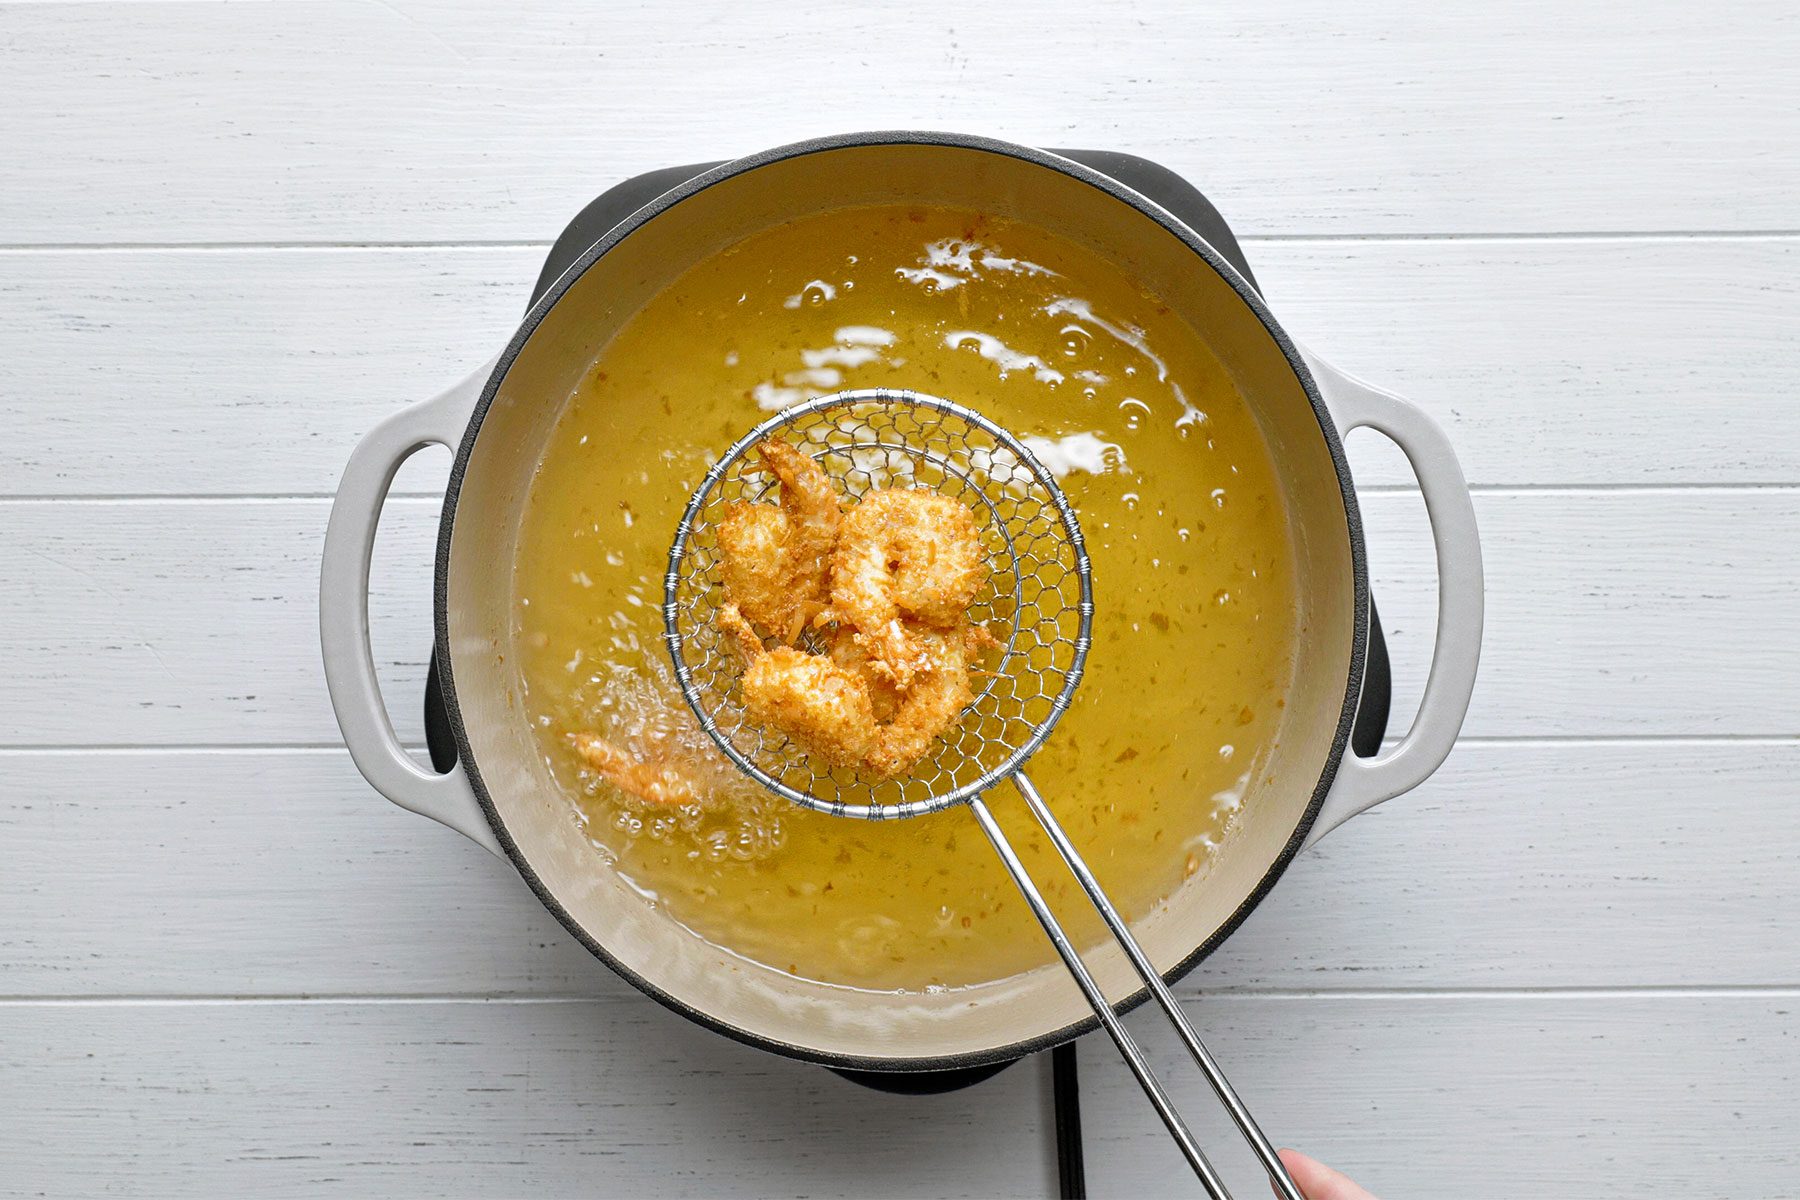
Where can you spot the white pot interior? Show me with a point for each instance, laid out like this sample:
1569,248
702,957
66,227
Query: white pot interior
810,1018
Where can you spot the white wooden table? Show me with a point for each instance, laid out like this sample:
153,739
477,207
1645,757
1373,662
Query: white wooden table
235,235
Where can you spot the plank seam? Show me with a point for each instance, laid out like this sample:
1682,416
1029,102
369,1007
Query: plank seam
1570,992
1253,239
1757,487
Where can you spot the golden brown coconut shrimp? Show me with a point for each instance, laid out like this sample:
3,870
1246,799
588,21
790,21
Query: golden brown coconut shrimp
821,705
905,555
847,651
657,783
935,700
813,504
754,563
776,558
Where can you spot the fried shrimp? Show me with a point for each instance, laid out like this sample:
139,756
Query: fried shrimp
903,567
812,504
904,556
822,705
658,783
935,700
912,720
848,651
844,707
776,557
754,561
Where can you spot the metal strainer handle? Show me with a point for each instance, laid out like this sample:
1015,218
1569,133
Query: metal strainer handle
1152,979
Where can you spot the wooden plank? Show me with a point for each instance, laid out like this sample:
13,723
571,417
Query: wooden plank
1483,1096
151,874
1672,352
1547,864
1569,362
409,122
1609,613
196,622
1478,1097
261,368
1627,613
271,873
474,1099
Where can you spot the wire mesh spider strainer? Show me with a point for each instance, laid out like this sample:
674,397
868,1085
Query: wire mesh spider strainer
1040,608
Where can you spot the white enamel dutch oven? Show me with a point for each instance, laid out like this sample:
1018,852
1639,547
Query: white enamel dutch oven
499,420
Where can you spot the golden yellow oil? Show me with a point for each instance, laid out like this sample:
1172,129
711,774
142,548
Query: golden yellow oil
1177,498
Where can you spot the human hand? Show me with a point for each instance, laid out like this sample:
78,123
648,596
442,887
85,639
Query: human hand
1317,1181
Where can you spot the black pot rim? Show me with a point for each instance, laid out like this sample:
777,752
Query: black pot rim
1118,191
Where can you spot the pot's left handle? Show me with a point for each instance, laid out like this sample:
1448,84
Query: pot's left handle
344,614
1362,783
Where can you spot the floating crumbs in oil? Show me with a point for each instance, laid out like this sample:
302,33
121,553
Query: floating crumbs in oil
1177,497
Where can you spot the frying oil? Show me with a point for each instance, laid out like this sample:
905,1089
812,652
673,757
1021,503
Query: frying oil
1176,494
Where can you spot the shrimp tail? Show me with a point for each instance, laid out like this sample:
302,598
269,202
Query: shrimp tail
657,783
734,626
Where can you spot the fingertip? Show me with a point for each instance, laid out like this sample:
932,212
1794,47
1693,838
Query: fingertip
1298,1167
1317,1181
1298,1163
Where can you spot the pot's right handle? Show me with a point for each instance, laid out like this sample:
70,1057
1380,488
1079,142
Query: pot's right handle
1363,783
344,614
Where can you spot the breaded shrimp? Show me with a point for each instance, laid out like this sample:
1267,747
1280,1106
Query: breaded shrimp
904,555
845,708
753,562
821,705
814,507
847,651
933,703
657,783
776,558
734,626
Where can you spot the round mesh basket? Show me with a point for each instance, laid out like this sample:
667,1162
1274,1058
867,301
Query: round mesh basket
1037,603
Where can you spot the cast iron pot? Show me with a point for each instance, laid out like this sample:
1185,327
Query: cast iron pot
498,422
